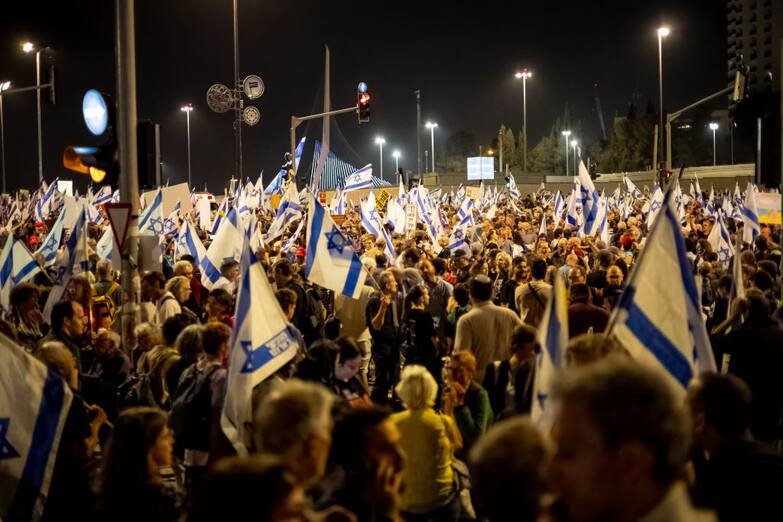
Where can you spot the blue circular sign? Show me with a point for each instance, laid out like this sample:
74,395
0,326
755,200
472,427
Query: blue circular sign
95,112
362,87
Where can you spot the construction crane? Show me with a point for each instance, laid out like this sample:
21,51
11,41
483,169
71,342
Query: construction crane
599,111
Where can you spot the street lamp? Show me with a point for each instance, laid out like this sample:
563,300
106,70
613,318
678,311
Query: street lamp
27,48
396,155
431,126
524,75
713,128
380,141
187,109
4,86
574,143
566,134
663,32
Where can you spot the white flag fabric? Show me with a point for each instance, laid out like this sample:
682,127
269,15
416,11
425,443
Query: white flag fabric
70,262
750,216
189,243
360,179
17,265
151,220
542,228
458,240
227,244
52,242
655,206
371,221
330,259
559,205
589,196
262,342
658,318
552,341
720,241
30,430
289,211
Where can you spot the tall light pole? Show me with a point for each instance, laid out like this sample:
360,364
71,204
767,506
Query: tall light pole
574,143
29,47
713,128
396,155
380,141
523,75
566,134
4,86
187,109
432,126
663,32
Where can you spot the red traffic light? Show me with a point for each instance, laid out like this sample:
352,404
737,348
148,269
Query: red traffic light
364,98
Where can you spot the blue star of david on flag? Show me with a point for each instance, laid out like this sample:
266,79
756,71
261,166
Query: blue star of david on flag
459,234
58,280
336,240
156,225
723,255
51,244
257,357
6,450
655,206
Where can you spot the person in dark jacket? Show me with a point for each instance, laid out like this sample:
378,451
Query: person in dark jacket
756,357
509,383
736,476
583,314
466,400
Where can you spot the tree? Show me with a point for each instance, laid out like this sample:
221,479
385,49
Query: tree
542,157
461,144
509,147
630,145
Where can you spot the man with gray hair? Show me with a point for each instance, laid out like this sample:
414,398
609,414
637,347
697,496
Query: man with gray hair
295,424
622,440
106,285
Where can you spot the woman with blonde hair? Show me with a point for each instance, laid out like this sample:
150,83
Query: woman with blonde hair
429,440
179,286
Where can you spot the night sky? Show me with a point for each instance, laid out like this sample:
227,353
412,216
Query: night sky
461,55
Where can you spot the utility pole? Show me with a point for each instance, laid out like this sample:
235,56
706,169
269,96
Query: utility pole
239,102
418,131
129,183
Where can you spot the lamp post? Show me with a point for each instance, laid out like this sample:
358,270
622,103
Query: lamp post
566,134
29,47
431,126
574,143
523,75
187,109
396,155
663,32
4,86
380,141
713,128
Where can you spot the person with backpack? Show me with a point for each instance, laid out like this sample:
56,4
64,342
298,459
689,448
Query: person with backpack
153,288
195,411
307,316
106,285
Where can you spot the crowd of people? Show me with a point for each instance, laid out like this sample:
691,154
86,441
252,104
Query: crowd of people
413,401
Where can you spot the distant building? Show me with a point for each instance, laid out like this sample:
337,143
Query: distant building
755,28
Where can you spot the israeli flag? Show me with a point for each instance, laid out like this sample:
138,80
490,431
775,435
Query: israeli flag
466,210
395,215
172,221
72,261
277,184
291,241
572,217
45,204
189,243
262,342
658,318
219,216
655,206
699,197
401,191
458,240
360,179
721,242
30,431
557,213
750,216
589,198
631,188
17,265
513,190
105,244
226,244
52,242
151,220
330,260
289,211
102,197
552,341
338,203
371,221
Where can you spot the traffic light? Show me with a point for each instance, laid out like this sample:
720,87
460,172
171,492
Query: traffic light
508,182
99,162
363,103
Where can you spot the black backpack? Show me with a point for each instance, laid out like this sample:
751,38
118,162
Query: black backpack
191,410
136,391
